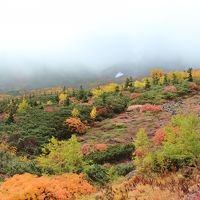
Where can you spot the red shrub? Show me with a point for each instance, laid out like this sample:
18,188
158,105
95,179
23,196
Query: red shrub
151,108
102,110
50,109
194,86
170,88
138,153
159,137
135,95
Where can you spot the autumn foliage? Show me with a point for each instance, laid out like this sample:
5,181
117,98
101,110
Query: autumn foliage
151,108
75,125
159,137
88,148
194,86
28,186
170,88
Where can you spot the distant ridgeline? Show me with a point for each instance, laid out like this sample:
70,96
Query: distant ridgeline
119,77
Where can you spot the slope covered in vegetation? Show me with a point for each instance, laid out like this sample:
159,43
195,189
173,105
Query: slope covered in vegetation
114,141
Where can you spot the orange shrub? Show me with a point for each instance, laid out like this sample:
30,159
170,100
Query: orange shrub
28,186
76,126
101,147
88,148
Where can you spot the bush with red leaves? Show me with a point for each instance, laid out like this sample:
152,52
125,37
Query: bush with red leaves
151,108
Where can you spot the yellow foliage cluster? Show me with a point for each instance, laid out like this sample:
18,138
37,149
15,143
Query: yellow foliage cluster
157,72
62,97
23,106
93,113
196,73
105,88
179,75
139,84
75,112
28,186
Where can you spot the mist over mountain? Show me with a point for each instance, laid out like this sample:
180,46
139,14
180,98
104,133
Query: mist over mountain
75,76
46,43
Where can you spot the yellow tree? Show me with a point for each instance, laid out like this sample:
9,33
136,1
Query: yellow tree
93,113
156,74
139,84
62,97
23,106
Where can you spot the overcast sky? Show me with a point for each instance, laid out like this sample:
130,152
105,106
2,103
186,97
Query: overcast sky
97,33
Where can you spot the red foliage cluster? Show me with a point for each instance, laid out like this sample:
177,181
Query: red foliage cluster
135,95
73,99
151,108
75,125
170,88
28,186
50,109
3,116
102,110
88,148
194,86
138,153
159,137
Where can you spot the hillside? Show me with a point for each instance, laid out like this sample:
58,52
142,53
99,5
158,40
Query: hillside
138,139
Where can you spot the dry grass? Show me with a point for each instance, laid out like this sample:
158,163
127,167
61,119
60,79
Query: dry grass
171,186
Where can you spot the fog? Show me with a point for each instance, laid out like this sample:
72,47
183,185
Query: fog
57,37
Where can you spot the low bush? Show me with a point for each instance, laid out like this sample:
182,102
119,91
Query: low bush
151,108
113,154
98,174
124,168
75,125
28,186
10,165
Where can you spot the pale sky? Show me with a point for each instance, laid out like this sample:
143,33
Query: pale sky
97,33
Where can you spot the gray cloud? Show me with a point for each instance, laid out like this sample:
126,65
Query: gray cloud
63,36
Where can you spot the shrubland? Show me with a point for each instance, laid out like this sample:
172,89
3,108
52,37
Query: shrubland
45,152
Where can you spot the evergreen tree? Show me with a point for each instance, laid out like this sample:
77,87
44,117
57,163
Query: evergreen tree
103,96
147,84
67,102
10,118
165,81
117,89
73,93
64,89
174,79
127,83
189,71
81,93
57,98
